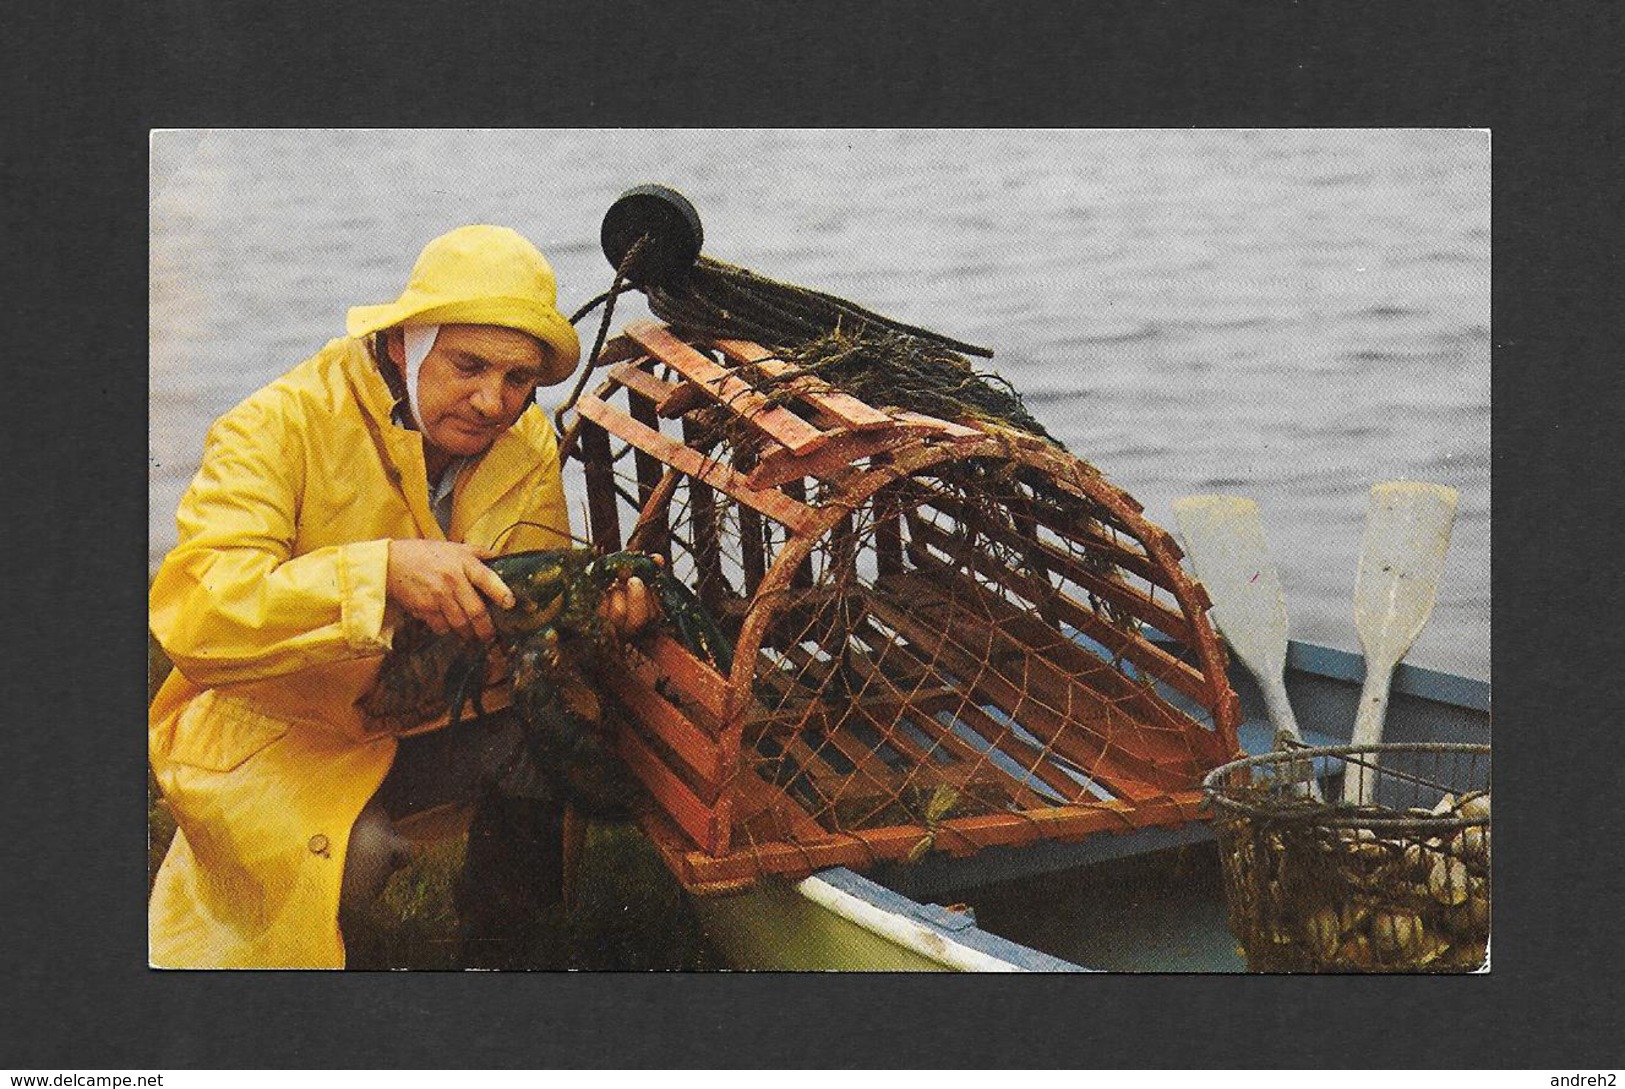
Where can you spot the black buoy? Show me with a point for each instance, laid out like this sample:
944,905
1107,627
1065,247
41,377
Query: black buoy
672,228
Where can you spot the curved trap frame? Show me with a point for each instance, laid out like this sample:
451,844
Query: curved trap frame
948,637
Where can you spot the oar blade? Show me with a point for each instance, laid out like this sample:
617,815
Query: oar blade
1224,540
1402,554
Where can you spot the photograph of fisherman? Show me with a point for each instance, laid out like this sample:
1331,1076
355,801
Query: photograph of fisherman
364,486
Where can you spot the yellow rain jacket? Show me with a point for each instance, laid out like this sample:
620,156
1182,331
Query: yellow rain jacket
272,608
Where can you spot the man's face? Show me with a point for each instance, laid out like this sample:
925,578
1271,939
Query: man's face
473,384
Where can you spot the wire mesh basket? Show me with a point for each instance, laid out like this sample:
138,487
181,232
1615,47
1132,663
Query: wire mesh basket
1399,884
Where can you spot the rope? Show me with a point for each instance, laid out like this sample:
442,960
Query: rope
619,287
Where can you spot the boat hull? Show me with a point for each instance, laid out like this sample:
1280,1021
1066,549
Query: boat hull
842,921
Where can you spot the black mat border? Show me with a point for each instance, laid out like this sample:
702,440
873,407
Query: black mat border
83,89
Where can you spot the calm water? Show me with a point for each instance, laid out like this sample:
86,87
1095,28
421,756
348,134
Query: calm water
1288,315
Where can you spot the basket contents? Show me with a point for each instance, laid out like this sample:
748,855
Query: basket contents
1398,885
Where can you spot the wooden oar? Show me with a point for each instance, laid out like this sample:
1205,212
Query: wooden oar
1407,533
1224,539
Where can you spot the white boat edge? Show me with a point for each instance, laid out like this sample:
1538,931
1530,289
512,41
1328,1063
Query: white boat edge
950,948
839,920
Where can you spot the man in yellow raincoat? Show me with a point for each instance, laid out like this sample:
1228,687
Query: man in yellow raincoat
364,485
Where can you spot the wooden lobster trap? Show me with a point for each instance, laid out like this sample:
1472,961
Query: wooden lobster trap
947,637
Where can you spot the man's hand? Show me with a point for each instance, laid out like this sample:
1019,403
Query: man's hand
628,607
444,584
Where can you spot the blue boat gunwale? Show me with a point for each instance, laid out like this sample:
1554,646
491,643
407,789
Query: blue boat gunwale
1412,680
1422,682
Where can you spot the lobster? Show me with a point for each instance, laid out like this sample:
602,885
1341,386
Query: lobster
543,644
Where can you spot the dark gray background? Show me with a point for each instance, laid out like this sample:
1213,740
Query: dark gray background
83,89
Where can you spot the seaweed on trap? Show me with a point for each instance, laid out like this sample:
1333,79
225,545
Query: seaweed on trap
857,351
874,358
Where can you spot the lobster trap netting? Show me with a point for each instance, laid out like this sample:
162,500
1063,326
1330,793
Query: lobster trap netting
1398,884
948,635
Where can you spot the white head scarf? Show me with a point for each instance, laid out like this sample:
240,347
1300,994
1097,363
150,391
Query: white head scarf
419,340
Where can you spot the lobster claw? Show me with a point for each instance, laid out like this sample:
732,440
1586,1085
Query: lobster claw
464,683
695,628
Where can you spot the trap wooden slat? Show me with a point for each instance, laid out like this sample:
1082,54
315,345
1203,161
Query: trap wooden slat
654,481
848,412
754,798
888,538
691,677
1074,659
813,716
1163,736
665,399
1064,650
1095,539
998,736
1139,605
687,809
791,741
1078,723
1108,536
852,751
846,448
600,474
889,730
781,698
795,684
823,622
921,699
632,376
872,785
1109,500
798,763
1157,721
1109,507
774,504
705,547
869,786
782,465
752,546
1067,736
699,752
1037,762
839,742
806,611
969,766
1156,662
960,701
893,659
618,349
676,849
863,848
722,386
1064,563
931,423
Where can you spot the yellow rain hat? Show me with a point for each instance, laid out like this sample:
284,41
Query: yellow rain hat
481,275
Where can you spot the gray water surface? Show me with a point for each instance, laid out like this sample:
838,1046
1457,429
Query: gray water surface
1291,315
